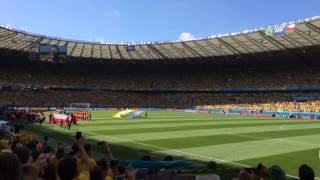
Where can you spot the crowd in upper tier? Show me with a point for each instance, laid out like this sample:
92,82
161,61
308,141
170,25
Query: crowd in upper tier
157,80
25,157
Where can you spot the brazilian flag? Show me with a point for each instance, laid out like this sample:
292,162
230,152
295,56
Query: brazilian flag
269,32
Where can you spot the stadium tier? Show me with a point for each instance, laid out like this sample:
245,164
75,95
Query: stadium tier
253,74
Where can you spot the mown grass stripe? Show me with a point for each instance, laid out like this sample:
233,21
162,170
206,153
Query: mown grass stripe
184,124
165,119
198,141
256,149
195,126
205,132
148,122
139,123
161,116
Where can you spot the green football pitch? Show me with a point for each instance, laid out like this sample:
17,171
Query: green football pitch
231,140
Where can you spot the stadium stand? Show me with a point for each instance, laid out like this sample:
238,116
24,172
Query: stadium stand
277,85
246,71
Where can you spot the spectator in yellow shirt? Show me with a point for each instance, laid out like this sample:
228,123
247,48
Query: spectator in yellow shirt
67,168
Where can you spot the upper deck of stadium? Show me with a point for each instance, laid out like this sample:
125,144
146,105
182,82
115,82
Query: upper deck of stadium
305,34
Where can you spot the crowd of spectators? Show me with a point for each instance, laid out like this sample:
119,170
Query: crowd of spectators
149,86
311,107
268,101
148,79
18,118
276,102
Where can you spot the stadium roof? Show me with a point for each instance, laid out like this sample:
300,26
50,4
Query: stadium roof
306,33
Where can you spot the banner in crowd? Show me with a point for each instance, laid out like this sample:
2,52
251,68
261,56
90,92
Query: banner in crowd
308,117
280,30
256,114
190,110
39,109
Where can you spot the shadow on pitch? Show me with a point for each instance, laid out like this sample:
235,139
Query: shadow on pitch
125,151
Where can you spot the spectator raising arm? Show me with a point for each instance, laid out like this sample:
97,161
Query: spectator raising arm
107,150
84,174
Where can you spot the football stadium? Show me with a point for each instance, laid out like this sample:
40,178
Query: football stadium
242,105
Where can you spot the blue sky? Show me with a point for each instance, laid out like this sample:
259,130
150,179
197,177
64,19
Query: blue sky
149,20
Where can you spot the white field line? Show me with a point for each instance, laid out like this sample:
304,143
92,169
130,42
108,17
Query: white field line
277,139
180,152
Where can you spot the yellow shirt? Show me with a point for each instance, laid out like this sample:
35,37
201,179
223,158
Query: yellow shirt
83,175
108,178
92,164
